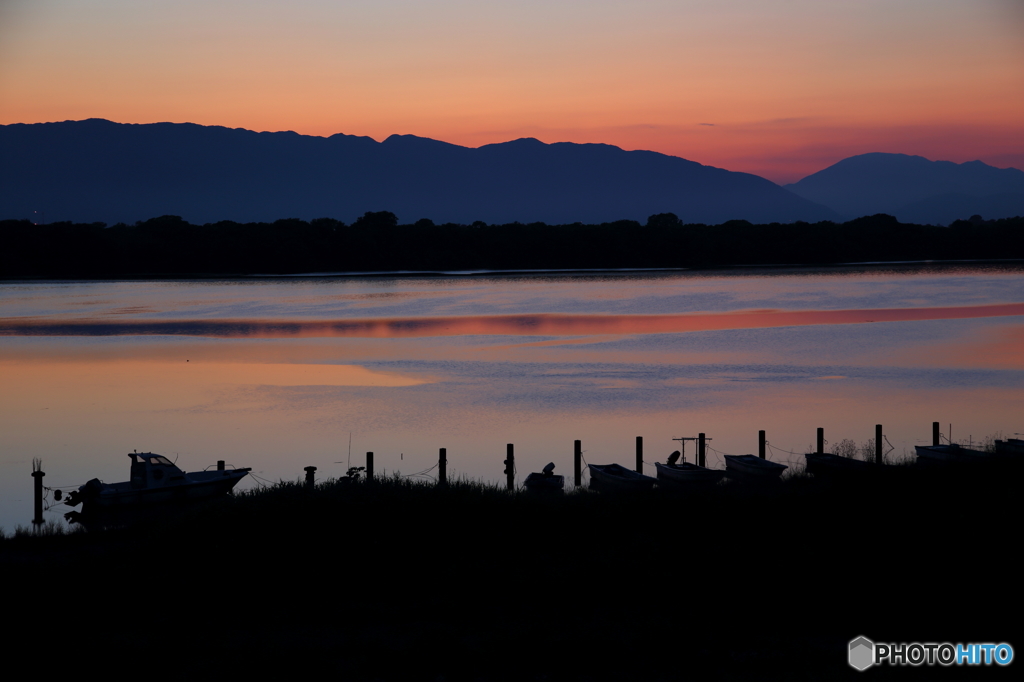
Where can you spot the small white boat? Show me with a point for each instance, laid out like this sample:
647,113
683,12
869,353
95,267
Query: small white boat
751,467
155,482
834,465
678,473
547,483
617,478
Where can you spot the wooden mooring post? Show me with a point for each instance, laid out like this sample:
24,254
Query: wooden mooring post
935,433
37,485
639,454
442,466
310,477
369,466
821,441
220,465
577,468
510,467
878,443
701,449
760,444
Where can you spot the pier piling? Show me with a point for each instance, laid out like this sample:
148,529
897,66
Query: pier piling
760,444
878,443
821,441
935,433
510,467
310,477
37,484
639,454
220,465
442,466
701,449
369,466
577,470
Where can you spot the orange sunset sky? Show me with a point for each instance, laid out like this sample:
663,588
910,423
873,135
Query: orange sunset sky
782,88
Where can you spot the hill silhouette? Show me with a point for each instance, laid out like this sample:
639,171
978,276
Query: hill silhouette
914,189
99,171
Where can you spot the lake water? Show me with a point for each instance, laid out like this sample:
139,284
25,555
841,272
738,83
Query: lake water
279,374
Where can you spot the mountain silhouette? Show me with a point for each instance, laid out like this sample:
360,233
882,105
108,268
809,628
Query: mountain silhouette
914,189
99,171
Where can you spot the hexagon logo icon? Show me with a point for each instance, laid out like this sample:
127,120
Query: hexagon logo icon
862,653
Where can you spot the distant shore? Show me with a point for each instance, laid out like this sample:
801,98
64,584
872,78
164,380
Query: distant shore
773,267
376,246
732,270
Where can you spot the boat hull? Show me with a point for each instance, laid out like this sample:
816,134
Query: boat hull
547,486
946,455
687,474
199,485
617,478
749,467
835,466
122,504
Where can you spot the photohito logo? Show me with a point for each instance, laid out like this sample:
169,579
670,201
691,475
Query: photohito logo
863,653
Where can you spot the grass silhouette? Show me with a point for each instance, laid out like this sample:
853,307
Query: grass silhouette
396,578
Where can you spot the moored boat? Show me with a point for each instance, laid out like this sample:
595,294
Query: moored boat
751,467
822,464
155,483
617,478
545,483
950,454
688,474
1010,447
678,473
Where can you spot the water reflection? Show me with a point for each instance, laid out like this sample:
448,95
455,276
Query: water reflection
544,324
276,375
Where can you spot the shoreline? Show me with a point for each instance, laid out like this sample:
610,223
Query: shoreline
170,247
739,270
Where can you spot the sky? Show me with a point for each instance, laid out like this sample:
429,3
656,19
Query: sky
781,89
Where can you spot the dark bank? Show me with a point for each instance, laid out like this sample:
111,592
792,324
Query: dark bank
392,579
169,246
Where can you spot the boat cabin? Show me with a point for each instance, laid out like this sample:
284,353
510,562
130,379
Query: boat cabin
154,471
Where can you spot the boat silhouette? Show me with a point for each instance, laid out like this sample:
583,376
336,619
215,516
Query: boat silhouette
155,486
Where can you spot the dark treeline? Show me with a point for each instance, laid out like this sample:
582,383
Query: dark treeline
169,245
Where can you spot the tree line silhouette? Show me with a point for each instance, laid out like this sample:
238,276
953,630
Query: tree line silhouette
170,246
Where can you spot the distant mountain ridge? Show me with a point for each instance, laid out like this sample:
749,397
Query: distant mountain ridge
914,189
97,170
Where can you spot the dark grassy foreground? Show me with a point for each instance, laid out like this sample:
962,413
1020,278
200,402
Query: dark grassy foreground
395,580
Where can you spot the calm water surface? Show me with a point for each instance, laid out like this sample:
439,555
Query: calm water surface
277,374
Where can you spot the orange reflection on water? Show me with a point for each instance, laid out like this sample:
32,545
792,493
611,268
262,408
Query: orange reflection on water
546,324
47,377
85,408
1001,348
115,393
